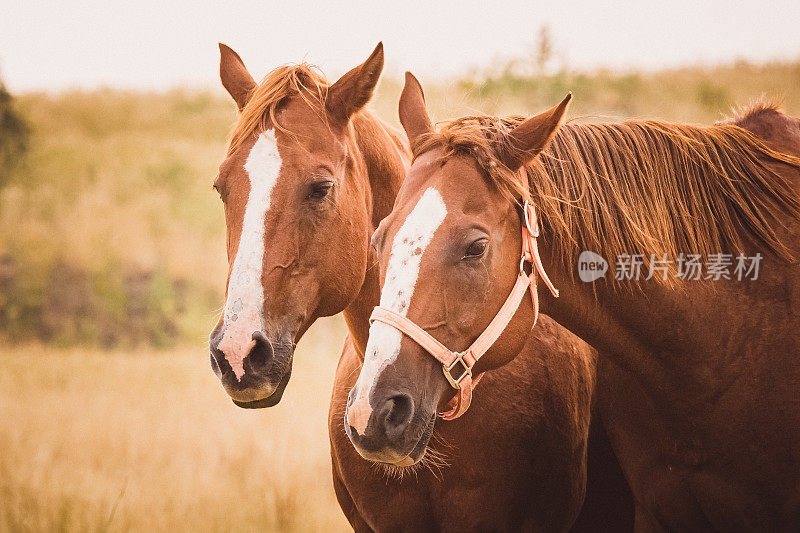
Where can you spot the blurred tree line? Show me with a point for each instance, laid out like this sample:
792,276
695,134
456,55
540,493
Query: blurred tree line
14,136
541,76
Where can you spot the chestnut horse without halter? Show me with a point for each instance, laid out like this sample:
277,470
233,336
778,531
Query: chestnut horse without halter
335,172
297,187
697,380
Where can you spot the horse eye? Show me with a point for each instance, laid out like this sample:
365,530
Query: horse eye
320,190
476,249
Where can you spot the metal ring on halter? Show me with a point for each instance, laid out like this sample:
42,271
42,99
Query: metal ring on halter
527,209
448,370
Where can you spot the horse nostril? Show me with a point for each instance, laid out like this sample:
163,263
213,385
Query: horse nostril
261,353
397,413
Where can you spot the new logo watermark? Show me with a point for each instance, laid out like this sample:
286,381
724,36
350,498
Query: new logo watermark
591,266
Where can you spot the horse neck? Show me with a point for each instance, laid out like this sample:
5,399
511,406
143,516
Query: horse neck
385,157
687,343
659,333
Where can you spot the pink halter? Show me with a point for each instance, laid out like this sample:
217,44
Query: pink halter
457,366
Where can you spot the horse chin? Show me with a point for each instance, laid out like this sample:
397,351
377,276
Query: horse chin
420,448
273,399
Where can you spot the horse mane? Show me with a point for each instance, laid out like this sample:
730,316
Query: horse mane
643,187
754,110
303,79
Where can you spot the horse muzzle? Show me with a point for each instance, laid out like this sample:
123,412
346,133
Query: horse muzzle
263,372
395,432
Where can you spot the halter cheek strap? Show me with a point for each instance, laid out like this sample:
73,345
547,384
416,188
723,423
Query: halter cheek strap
457,366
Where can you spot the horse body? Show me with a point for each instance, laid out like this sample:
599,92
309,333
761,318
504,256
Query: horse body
698,390
708,436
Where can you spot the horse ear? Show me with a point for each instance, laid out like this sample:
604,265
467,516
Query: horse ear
413,114
235,78
534,134
353,90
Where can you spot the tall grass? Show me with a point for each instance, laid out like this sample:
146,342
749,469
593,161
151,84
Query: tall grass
149,441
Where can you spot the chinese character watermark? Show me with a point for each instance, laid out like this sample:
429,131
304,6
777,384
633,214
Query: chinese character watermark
629,267
689,267
686,267
747,266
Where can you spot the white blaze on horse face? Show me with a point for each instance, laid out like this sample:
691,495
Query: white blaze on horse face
244,307
401,277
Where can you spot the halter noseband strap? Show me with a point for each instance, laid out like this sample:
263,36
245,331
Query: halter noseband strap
457,366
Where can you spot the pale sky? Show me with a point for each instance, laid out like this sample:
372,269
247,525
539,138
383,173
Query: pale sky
158,44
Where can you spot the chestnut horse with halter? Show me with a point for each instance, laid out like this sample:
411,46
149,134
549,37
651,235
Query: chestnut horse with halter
308,176
697,379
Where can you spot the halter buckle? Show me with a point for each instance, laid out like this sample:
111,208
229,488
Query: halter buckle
460,366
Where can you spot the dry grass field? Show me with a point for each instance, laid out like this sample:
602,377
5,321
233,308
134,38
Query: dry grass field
148,441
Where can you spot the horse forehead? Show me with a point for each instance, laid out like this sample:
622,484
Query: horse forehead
423,182
256,177
306,147
415,232
421,175
470,194
456,177
264,161
414,201
303,123
428,212
462,177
